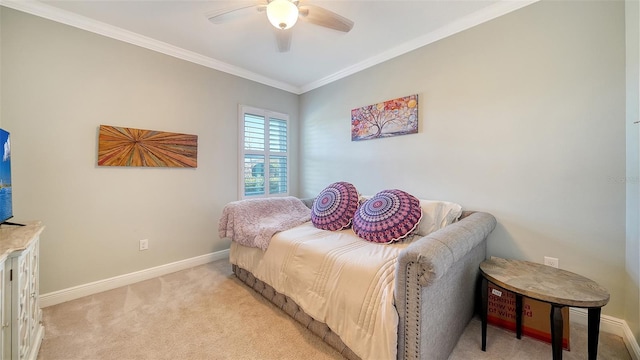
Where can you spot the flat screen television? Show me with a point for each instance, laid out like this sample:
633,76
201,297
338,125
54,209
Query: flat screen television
6,193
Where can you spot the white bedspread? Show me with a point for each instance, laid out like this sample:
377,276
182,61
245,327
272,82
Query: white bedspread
337,278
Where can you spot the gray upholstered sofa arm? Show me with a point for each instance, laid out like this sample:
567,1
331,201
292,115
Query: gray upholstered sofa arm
435,286
435,253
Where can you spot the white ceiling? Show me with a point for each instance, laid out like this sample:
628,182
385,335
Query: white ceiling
246,46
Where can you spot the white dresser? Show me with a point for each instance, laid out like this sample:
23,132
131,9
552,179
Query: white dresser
20,314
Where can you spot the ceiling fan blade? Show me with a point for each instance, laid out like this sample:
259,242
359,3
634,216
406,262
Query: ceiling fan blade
323,17
283,38
221,16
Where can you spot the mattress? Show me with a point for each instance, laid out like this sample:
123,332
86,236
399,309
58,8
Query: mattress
337,278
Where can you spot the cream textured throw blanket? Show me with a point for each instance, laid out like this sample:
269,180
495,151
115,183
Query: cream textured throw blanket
338,279
253,222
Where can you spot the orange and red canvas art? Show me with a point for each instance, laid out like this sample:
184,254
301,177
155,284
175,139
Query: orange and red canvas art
121,146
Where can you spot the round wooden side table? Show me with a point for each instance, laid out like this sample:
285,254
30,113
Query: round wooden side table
557,287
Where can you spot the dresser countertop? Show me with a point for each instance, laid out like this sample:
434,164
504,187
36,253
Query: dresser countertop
16,238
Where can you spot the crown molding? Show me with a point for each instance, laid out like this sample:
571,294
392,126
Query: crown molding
65,17
81,22
489,13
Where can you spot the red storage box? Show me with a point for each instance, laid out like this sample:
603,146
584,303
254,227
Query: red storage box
535,315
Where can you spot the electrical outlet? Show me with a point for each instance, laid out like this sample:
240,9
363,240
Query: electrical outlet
144,244
551,261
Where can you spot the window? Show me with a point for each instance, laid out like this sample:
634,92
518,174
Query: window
264,153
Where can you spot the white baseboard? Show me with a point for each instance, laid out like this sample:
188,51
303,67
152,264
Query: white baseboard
610,325
95,287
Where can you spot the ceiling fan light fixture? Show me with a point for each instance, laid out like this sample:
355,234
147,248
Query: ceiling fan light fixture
282,14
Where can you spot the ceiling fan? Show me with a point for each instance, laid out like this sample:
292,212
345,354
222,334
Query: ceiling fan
283,14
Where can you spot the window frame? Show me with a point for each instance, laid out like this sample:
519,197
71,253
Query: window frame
267,152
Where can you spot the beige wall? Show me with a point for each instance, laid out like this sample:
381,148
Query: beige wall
523,117
632,25
59,84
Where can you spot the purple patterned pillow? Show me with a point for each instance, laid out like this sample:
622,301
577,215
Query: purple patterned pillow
334,207
388,216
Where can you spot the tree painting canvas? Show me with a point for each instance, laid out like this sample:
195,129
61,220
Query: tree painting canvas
120,146
390,118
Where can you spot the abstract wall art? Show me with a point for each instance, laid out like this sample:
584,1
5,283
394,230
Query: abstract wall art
121,146
389,118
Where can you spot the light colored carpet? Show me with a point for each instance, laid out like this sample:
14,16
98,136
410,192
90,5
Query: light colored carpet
206,313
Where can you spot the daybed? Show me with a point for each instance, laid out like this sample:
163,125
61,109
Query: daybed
411,299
